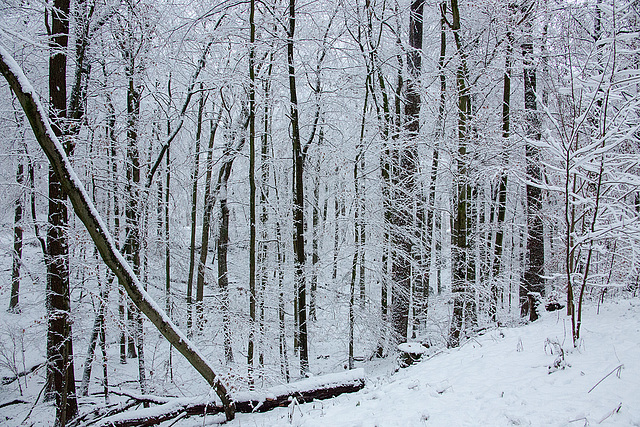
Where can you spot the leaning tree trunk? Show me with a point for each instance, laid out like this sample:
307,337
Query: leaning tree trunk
97,228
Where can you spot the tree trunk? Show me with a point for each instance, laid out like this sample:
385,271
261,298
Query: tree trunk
252,190
60,368
194,216
502,185
462,271
98,230
298,201
533,281
209,201
17,241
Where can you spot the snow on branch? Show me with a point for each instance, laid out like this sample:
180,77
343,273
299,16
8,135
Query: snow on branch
95,225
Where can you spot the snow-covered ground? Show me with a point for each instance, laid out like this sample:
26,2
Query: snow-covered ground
501,378
504,377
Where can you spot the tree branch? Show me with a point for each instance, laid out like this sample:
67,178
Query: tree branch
95,225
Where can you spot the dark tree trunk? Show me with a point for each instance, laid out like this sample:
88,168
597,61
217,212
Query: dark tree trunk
252,191
462,270
60,368
223,279
209,201
131,247
533,281
298,201
194,216
17,241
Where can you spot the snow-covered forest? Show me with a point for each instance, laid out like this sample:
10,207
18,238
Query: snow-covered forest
230,206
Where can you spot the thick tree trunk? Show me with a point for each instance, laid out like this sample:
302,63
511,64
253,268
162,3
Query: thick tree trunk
319,388
60,368
533,281
98,230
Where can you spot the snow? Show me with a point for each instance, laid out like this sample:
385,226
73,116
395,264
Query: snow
309,384
498,379
26,87
412,348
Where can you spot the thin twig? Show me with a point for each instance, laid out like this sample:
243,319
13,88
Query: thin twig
615,411
34,403
617,368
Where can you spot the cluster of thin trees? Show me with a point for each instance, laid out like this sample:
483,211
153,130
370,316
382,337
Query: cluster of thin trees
269,171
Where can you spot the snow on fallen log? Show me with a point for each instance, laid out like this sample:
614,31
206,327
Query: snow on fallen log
316,388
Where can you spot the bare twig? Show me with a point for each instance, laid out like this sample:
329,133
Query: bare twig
615,411
34,403
617,368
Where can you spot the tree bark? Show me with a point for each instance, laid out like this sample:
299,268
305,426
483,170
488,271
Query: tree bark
194,218
209,201
86,211
533,281
60,371
298,200
319,388
502,185
462,271
17,240
252,190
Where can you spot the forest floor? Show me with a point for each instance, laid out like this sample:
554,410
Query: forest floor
504,377
525,375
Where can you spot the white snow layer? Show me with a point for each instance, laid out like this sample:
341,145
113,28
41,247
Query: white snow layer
499,379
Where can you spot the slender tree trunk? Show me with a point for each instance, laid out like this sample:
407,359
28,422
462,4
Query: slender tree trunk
223,279
298,200
502,185
282,331
462,270
252,191
209,201
336,233
17,240
194,215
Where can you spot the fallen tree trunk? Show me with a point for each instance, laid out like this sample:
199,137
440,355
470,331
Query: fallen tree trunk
317,388
97,228
9,380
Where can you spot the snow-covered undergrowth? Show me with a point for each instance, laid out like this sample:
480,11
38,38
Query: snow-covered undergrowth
507,376
504,377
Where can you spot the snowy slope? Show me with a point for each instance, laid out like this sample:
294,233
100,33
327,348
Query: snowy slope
499,379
